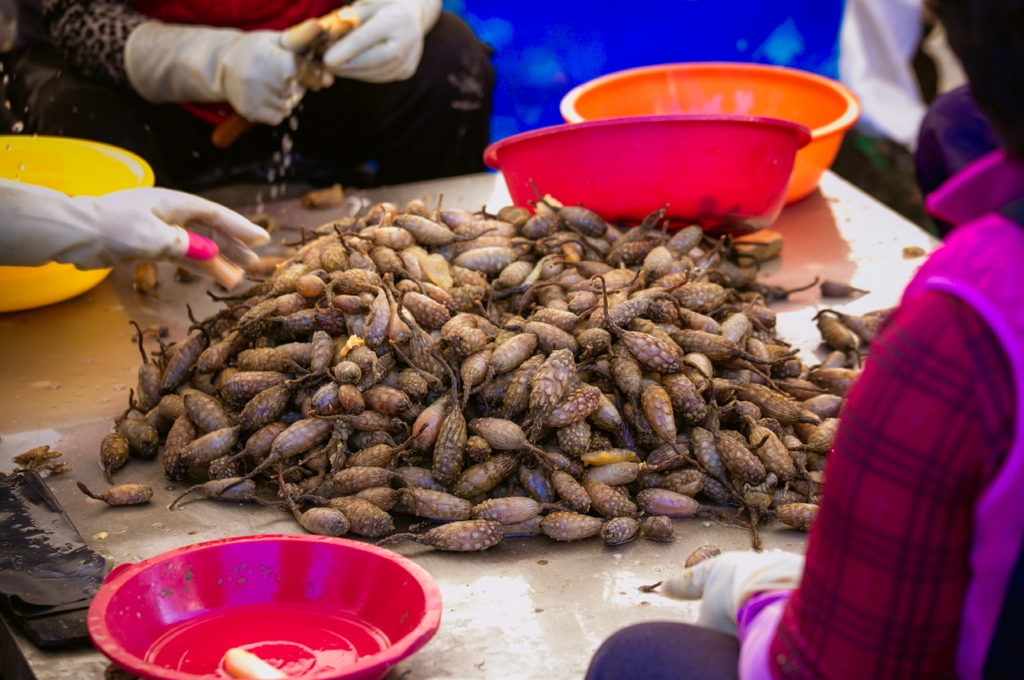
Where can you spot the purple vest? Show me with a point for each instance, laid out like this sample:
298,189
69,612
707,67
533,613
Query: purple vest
980,264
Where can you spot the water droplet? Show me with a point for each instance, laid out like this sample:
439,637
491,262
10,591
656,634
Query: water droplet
21,166
17,127
120,388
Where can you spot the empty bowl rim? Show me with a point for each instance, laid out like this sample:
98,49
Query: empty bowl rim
491,152
106,643
567,107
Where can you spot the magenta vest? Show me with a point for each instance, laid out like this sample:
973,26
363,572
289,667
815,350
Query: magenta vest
980,264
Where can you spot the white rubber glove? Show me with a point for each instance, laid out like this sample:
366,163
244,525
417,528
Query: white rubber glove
39,225
727,581
252,71
388,44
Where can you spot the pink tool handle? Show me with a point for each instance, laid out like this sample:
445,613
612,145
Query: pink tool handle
201,248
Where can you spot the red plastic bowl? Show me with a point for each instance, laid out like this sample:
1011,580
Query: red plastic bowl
727,173
315,607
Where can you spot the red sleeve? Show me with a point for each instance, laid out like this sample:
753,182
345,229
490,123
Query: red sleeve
923,431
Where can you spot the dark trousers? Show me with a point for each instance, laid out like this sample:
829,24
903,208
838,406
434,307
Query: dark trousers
435,124
666,650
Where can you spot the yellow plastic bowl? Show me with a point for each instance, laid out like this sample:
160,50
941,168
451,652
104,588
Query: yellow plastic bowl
76,167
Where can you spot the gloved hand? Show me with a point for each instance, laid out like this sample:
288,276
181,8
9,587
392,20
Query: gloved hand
387,45
253,71
726,582
90,232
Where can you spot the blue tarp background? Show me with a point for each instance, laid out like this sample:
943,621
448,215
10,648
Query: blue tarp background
545,48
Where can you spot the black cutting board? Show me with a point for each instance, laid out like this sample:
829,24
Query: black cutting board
48,575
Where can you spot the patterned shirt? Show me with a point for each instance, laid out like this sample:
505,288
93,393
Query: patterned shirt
91,35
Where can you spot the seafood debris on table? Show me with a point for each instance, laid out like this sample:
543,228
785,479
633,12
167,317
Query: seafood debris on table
146,278
39,460
320,199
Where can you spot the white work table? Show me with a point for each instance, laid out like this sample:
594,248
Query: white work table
530,607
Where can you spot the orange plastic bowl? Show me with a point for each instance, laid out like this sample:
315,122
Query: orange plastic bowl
823,105
727,173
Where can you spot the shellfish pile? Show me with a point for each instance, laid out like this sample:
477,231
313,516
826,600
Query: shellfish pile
519,373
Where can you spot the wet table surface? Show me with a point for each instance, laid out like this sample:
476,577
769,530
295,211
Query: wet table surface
529,608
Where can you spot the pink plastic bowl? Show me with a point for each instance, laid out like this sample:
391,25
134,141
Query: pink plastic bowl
315,607
727,173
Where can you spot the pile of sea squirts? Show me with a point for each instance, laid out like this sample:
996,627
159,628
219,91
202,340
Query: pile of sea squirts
499,375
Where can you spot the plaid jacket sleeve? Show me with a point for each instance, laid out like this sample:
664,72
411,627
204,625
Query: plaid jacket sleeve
924,430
